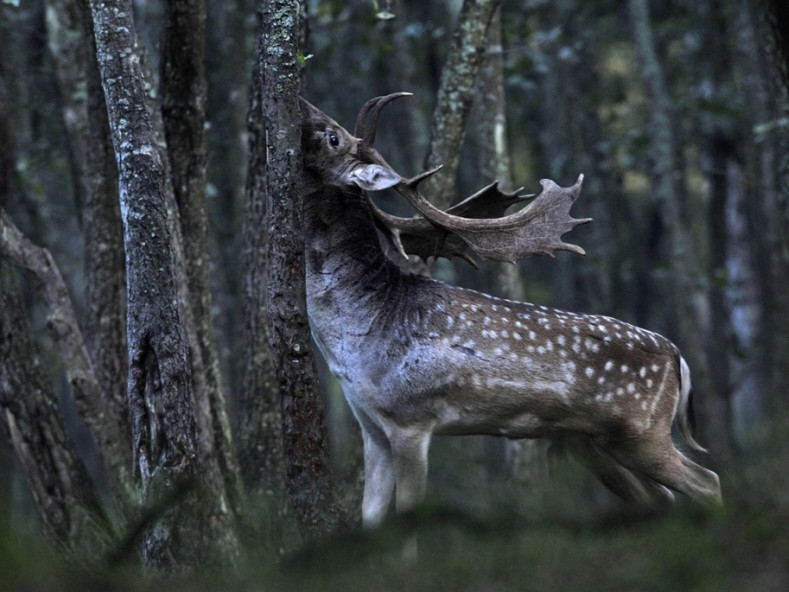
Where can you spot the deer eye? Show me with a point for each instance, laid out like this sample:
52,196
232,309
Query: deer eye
334,140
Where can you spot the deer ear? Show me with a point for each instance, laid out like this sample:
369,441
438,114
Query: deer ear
373,177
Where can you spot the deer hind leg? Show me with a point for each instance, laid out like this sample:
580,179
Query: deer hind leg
660,461
379,475
623,482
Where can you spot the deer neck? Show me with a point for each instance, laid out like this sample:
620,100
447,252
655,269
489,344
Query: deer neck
348,275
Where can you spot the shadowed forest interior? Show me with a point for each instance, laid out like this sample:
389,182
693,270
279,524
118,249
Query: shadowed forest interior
675,112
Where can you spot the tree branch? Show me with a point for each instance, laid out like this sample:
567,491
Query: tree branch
63,326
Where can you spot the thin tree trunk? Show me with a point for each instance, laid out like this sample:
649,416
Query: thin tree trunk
85,120
62,491
764,153
744,306
308,471
260,447
62,324
165,441
771,23
183,115
522,459
454,98
228,64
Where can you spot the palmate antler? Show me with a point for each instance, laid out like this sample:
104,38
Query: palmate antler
478,222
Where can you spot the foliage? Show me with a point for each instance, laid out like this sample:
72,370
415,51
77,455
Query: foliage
548,540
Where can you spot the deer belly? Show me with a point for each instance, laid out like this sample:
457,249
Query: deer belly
503,407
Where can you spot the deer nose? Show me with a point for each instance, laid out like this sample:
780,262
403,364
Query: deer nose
373,177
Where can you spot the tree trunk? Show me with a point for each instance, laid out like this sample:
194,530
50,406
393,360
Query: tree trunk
521,459
771,23
765,152
228,64
183,115
62,491
261,456
308,472
165,441
70,36
454,99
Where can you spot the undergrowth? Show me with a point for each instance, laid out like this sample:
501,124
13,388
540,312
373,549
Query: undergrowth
554,539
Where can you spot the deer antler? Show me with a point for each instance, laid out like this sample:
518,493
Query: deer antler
478,221
419,236
535,230
367,120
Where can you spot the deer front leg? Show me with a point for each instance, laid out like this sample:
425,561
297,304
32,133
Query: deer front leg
409,449
379,476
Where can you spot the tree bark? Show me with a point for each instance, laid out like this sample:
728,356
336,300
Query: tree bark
183,115
62,491
454,99
260,450
308,471
70,39
165,441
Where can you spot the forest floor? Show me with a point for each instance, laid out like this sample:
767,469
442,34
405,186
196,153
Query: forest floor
552,540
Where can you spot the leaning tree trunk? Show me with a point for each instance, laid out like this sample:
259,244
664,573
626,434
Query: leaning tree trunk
305,438
454,99
31,420
166,452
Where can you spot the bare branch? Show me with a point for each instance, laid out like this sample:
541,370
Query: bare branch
63,326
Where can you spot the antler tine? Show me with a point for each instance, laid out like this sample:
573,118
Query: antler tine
367,121
417,179
535,230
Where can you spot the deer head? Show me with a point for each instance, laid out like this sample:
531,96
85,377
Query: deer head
418,357
340,159
477,223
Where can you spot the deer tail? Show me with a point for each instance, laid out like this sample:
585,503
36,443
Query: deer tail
683,414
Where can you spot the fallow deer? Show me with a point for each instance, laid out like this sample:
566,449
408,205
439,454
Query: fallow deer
418,357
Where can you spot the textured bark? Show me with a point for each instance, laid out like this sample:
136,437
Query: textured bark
305,438
260,450
165,443
668,190
70,39
61,489
105,281
183,114
62,325
454,98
